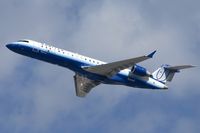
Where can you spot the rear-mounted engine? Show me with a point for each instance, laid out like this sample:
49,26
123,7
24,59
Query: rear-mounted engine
141,71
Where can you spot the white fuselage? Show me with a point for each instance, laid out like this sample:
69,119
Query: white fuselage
76,62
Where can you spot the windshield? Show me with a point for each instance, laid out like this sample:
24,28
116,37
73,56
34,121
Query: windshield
23,41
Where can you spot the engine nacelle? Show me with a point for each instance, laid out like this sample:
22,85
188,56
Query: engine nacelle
141,71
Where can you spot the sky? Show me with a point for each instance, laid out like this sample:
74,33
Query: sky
39,97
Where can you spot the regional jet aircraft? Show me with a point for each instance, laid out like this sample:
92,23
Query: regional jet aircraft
91,72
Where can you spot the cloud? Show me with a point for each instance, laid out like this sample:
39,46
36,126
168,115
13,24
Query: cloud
39,97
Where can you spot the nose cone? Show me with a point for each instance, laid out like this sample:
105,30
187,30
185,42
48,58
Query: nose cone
10,46
13,47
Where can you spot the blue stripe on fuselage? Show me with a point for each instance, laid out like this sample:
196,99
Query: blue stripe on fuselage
75,65
61,60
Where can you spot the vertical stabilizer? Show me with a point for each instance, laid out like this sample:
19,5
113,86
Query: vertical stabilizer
166,72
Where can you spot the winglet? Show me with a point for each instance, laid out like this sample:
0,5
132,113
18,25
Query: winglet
151,54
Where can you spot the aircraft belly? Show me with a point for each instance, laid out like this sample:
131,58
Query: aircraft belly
132,82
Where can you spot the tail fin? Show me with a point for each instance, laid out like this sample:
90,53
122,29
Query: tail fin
166,72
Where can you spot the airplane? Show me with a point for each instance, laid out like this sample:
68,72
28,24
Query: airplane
90,73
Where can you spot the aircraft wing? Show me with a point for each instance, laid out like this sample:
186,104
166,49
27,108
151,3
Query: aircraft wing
83,85
113,68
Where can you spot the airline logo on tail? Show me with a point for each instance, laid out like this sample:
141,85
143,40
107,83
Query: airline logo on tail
166,72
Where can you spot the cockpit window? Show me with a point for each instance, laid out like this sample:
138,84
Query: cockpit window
24,41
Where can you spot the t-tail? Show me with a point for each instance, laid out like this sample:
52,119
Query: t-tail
166,72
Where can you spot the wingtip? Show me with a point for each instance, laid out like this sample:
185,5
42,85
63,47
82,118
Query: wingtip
193,66
151,54
190,66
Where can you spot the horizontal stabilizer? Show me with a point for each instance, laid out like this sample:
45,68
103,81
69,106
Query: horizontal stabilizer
177,68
